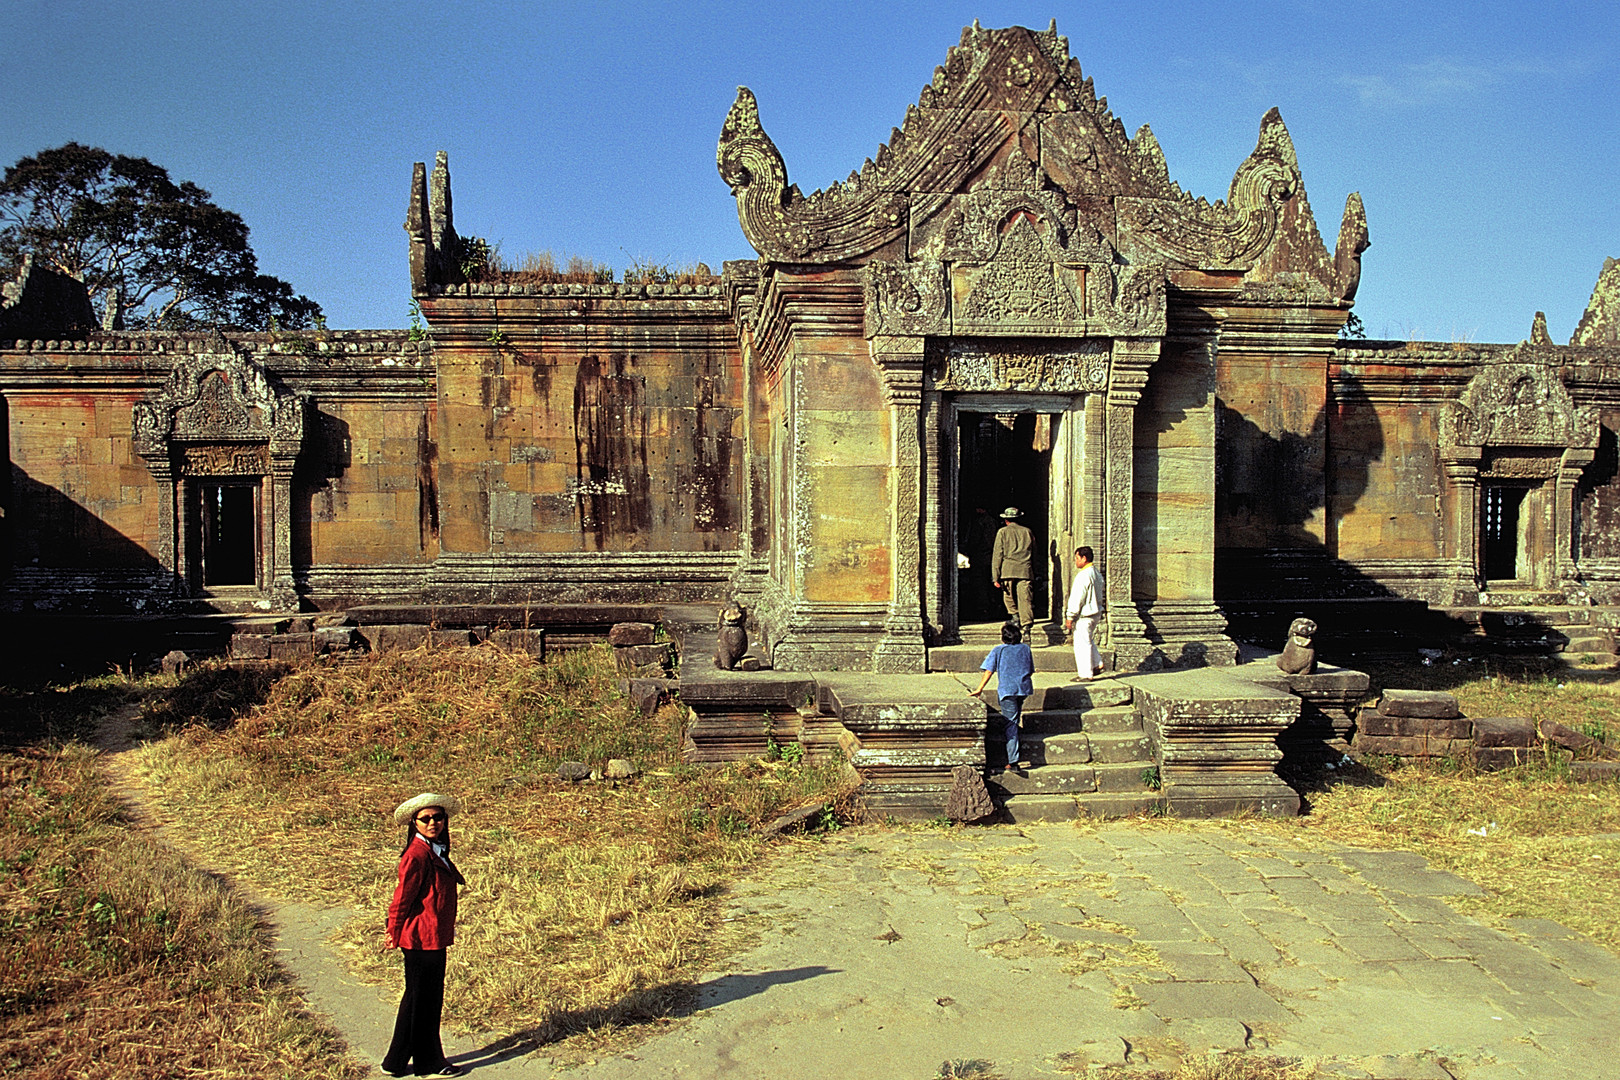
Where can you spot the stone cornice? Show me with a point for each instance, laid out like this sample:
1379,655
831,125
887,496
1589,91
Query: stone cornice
826,304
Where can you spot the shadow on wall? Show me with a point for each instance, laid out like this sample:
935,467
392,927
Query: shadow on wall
47,528
1269,566
1600,502
325,456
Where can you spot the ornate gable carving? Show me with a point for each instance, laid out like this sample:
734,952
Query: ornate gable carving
1008,119
218,398
1018,291
1517,405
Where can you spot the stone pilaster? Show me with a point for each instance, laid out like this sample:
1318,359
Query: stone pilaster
276,522
1128,373
1566,562
939,609
900,363
1461,464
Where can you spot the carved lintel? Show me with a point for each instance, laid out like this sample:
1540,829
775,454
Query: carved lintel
229,459
1030,366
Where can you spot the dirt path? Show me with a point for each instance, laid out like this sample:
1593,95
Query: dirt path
362,1014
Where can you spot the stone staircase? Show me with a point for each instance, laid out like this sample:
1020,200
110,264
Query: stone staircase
1087,752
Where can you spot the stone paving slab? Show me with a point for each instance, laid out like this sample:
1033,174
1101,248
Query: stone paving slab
880,954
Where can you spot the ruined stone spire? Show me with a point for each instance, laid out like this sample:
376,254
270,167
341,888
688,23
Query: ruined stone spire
1601,323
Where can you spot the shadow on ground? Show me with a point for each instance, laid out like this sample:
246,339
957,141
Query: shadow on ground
667,1001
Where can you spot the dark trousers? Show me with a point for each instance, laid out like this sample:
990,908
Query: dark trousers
416,1047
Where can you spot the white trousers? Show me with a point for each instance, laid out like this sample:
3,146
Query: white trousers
1087,660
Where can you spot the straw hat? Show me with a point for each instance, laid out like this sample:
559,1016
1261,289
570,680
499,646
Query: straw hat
407,809
1010,513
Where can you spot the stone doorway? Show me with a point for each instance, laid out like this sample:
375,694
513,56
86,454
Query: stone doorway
1003,459
1500,531
226,550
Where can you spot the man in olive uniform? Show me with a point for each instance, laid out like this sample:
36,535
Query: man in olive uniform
1012,570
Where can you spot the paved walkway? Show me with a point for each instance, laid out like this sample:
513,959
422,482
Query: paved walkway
1044,949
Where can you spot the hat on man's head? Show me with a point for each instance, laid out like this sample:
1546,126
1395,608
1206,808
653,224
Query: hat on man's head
1011,512
407,809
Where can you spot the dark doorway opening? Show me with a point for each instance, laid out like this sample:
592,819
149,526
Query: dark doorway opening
228,516
1003,459
1499,531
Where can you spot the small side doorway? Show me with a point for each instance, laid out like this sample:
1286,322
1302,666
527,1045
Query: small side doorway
225,535
1499,531
1003,459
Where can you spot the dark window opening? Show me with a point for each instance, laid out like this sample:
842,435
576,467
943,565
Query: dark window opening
1499,531
229,519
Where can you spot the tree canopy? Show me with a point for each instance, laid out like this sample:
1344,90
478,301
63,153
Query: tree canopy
152,253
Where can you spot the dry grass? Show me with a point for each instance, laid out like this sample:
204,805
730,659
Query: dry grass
1218,1067
116,960
588,905
542,267
1540,843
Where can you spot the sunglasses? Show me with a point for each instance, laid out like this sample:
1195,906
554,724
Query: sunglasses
432,819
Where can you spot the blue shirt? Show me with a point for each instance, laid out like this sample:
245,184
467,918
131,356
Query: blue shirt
1013,665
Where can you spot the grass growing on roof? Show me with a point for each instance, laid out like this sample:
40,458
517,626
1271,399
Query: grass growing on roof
587,905
116,960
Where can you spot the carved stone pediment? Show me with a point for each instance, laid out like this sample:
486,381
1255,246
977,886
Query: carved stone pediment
1022,366
1009,120
1517,405
1028,286
213,401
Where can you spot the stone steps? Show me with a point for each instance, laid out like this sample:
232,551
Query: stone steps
1031,808
1108,720
1087,749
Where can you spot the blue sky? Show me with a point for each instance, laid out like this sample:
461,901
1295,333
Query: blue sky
1482,137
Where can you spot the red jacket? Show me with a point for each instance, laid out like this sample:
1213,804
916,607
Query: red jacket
422,914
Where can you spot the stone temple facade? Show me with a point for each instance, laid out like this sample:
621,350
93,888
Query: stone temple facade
1011,302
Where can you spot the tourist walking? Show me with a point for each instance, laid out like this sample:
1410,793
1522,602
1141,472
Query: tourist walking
422,923
1013,665
1085,607
1012,570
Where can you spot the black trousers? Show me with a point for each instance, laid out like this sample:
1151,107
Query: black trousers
416,1047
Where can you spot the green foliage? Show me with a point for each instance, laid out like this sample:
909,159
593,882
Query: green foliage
153,253
1352,330
1150,778
793,753
473,258
418,331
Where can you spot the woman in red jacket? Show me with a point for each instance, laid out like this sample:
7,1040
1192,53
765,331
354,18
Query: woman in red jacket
422,922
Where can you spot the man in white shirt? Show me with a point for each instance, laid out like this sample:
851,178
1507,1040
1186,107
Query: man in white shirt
1085,607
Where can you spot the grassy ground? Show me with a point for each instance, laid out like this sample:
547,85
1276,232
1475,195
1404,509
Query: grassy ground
588,906
116,960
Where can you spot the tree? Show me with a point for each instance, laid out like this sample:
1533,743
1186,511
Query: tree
152,253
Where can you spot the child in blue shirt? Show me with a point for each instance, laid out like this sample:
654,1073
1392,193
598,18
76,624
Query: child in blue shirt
1013,664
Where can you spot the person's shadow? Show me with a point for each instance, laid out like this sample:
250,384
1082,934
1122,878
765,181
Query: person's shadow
667,1001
